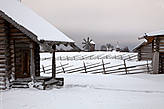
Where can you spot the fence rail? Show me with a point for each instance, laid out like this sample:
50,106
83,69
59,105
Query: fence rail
101,67
128,57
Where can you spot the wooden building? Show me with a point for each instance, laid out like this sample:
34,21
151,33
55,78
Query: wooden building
144,51
92,46
20,32
156,45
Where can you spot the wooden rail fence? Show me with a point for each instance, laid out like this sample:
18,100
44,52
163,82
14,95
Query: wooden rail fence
101,67
128,57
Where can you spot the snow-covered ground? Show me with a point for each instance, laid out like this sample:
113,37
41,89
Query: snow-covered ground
88,91
77,59
92,91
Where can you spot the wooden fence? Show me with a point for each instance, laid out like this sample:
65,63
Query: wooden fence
101,67
129,57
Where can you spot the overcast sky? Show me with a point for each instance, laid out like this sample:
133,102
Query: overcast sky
105,21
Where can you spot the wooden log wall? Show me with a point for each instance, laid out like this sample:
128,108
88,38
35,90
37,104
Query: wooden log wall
145,52
161,63
161,44
158,45
10,39
17,40
3,46
161,55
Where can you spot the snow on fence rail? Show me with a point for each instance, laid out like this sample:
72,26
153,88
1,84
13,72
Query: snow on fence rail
102,67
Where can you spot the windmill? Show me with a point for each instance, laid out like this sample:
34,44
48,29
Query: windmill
87,44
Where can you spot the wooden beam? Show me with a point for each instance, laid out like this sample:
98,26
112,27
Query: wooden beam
156,63
53,62
157,40
32,65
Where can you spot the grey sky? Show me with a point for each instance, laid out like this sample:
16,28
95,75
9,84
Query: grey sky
103,20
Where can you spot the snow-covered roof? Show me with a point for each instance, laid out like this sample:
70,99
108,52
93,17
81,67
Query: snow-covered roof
92,42
139,45
28,19
155,33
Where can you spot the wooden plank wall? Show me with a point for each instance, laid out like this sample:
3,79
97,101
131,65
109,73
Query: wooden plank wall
146,52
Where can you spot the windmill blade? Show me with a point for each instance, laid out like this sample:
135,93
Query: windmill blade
84,40
88,39
84,46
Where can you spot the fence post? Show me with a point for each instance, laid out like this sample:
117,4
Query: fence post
43,69
148,71
129,57
125,67
74,57
60,58
85,67
97,57
103,66
115,56
121,57
62,68
67,58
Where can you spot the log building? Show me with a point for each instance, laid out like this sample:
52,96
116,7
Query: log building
155,42
144,51
20,32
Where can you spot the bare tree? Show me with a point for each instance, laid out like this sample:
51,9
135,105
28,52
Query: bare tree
125,49
103,48
109,47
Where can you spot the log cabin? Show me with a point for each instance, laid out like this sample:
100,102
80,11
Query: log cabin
21,30
144,51
156,42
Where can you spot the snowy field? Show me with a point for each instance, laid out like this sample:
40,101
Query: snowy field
91,91
88,91
77,59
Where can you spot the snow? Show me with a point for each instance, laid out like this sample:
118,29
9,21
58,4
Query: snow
155,33
139,45
31,21
91,91
92,42
92,57
86,91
